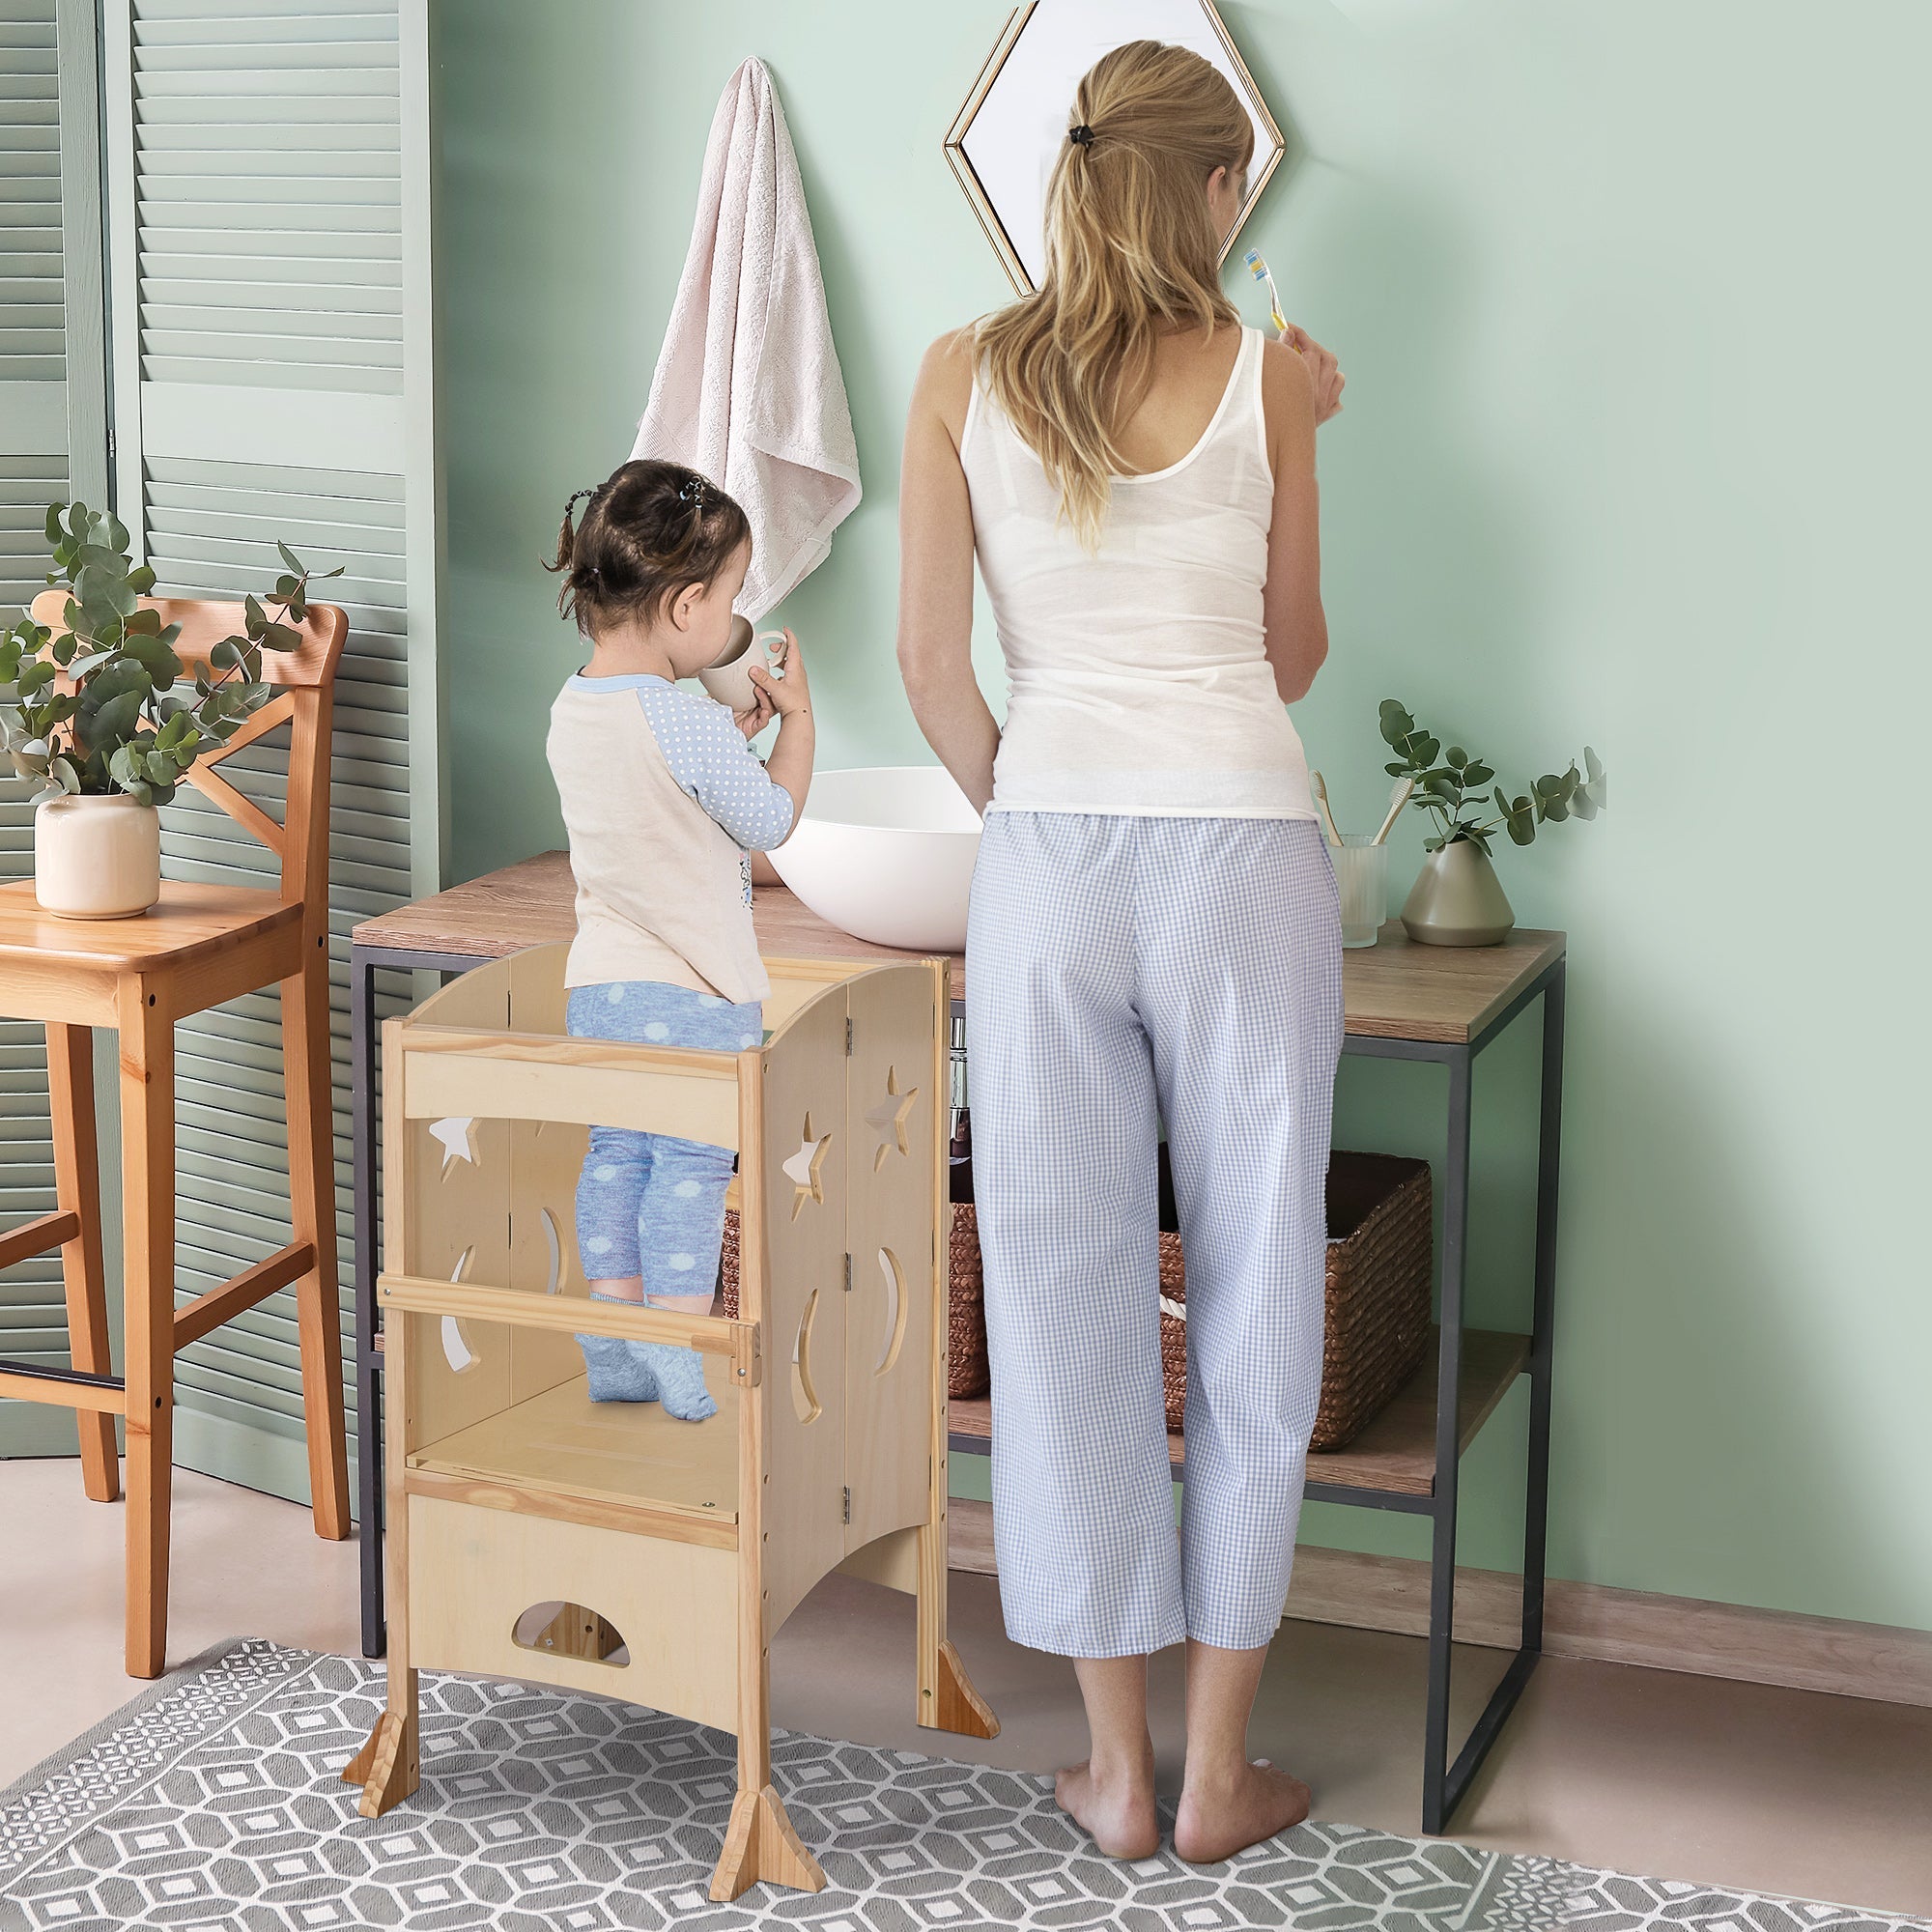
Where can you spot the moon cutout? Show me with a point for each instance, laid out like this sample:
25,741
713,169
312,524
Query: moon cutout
804,1398
895,1310
456,1349
555,1280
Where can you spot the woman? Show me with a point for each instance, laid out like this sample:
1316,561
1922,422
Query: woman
1153,931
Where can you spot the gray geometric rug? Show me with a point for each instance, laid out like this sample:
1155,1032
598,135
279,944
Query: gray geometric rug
213,1803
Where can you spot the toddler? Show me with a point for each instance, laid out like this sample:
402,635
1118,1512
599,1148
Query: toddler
664,800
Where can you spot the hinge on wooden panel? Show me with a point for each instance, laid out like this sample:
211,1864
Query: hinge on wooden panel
845,1505
848,1274
848,1033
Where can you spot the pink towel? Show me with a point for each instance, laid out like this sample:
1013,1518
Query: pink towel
748,387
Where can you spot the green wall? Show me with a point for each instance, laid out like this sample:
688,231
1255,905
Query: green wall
1632,310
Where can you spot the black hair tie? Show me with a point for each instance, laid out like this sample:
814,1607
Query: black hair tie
1081,137
578,499
692,492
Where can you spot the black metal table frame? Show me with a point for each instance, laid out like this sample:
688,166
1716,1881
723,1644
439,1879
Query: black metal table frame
1444,1780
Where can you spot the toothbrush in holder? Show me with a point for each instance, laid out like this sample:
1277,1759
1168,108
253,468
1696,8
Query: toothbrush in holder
1259,270
1321,791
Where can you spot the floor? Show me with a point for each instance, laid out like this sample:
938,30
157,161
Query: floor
1676,1776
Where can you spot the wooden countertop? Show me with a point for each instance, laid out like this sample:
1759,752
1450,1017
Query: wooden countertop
1394,989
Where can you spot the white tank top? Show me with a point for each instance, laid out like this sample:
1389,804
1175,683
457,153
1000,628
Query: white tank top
1139,684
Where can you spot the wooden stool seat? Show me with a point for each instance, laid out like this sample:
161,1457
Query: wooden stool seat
192,925
200,946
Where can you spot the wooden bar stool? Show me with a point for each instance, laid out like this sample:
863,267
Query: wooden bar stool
200,946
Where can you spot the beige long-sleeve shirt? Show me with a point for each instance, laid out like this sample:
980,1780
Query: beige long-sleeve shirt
662,797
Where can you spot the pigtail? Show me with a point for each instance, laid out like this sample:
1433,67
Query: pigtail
697,497
566,536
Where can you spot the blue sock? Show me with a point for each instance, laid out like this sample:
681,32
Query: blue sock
618,1373
678,1376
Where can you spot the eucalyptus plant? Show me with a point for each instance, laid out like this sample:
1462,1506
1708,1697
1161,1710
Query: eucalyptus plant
101,703
1454,790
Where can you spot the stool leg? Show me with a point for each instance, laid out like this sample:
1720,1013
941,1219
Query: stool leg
760,1844
77,1190
148,1185
946,1698
305,1081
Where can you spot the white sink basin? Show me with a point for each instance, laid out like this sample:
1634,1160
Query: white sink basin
886,853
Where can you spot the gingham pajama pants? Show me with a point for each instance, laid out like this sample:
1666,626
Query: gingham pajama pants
1122,971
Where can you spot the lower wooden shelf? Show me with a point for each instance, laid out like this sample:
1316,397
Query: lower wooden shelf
1395,1453
616,1452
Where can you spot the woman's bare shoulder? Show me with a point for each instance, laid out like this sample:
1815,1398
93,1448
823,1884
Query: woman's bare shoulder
1287,403
945,383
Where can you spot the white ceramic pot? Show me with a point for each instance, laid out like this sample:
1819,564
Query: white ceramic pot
97,858
886,853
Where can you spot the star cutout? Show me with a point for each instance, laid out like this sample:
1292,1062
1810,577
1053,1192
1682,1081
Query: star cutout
457,1135
802,1169
888,1119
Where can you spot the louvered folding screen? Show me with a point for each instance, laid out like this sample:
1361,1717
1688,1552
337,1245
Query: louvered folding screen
271,381
52,438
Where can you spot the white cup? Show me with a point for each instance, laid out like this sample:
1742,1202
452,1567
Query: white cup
728,677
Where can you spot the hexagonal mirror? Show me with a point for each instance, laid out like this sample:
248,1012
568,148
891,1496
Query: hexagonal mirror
1009,133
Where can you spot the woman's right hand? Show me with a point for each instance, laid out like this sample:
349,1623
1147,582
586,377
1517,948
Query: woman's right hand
1325,378
790,693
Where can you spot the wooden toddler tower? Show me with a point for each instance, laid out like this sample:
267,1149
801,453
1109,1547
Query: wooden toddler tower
609,1547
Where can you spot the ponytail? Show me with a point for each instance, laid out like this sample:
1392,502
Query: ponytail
1131,250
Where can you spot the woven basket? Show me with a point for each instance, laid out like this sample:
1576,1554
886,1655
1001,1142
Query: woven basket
967,1369
1381,1247
727,1268
967,1373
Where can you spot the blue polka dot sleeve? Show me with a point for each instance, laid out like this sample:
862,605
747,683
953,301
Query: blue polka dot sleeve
712,762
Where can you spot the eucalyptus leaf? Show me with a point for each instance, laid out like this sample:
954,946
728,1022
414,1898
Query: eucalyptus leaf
155,658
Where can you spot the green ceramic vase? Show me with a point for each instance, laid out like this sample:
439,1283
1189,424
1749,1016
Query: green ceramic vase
1457,899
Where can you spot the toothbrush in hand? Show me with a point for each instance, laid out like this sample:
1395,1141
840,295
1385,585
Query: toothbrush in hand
1259,270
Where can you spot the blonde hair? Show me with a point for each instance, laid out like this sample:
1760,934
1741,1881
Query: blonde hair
1131,252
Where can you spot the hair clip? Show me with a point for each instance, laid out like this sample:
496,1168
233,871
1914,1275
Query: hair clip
692,492
1081,137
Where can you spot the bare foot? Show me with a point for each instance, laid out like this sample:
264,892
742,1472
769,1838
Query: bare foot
1218,1817
1117,1814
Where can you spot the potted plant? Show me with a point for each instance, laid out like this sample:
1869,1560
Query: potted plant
1458,899
106,717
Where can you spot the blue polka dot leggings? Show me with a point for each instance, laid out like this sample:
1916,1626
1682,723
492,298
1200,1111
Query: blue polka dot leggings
652,1204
